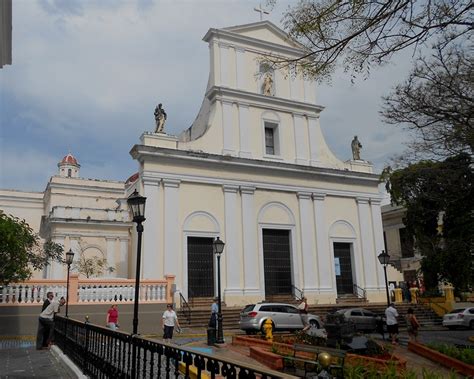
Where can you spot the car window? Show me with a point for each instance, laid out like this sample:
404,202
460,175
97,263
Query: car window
368,313
356,313
279,309
459,310
471,311
248,308
291,310
266,308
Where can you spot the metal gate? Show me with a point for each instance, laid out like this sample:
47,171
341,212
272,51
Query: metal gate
277,261
200,267
343,263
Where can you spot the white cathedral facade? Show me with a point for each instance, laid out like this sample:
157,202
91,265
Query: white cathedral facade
254,170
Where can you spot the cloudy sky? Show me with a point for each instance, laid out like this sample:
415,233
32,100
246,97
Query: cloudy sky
87,75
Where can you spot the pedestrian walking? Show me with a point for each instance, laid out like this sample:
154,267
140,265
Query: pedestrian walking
44,335
412,325
214,313
111,319
168,322
391,315
303,309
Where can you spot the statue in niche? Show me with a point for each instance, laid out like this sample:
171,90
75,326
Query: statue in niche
356,146
160,118
267,84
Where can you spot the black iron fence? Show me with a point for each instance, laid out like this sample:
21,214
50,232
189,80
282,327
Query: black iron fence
102,353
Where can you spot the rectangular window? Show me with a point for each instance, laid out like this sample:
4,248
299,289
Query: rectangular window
269,141
406,242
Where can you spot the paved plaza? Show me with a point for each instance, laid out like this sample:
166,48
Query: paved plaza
20,359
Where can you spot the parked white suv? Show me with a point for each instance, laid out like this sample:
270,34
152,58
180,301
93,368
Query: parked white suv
284,317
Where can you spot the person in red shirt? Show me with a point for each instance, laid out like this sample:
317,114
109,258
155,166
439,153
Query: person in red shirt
112,317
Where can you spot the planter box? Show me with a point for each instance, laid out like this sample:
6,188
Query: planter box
461,367
394,360
260,349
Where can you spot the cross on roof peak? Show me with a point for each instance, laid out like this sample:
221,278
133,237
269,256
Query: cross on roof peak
261,11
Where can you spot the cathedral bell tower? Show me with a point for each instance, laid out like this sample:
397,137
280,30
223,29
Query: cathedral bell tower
69,167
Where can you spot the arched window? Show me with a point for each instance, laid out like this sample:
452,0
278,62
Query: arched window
69,172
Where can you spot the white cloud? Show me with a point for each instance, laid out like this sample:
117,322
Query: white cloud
87,73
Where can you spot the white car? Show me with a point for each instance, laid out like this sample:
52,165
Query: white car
283,316
463,317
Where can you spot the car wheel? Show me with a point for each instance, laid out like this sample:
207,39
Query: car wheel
314,324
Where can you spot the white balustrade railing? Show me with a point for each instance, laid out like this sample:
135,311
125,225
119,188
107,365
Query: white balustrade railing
85,291
30,292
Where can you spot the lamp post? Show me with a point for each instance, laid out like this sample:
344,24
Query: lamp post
137,206
384,258
69,260
218,248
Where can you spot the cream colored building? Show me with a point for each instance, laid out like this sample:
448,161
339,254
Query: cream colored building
88,216
255,170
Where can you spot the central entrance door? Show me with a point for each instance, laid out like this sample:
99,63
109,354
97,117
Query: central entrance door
343,268
277,262
200,267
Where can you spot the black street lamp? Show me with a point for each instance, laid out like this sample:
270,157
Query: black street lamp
384,258
217,249
69,260
137,206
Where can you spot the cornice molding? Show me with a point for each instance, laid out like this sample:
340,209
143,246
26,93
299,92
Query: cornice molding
273,103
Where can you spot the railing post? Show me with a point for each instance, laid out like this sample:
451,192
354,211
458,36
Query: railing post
73,288
169,285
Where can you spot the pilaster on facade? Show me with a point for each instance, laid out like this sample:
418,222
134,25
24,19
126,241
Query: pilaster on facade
322,241
124,258
240,67
111,248
228,128
233,264
378,237
367,243
152,240
249,241
171,226
57,269
315,136
309,262
244,131
301,138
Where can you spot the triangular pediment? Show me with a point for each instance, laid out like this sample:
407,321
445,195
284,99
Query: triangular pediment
266,31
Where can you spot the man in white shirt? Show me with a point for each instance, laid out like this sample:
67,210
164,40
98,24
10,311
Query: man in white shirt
391,315
46,322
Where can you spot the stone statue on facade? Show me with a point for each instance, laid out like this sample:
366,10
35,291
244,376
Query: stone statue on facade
356,146
160,118
268,85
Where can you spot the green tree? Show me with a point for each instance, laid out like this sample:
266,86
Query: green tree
91,267
21,252
425,189
359,34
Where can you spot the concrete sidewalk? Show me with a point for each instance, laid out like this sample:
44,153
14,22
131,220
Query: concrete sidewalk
20,359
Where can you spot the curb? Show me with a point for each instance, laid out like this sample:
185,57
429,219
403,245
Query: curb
65,359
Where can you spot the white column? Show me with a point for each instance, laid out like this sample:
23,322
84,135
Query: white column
301,139
325,266
378,238
310,266
111,257
171,226
228,128
295,82
152,233
249,242
244,130
315,135
57,269
123,263
232,253
240,67
224,60
309,91
368,271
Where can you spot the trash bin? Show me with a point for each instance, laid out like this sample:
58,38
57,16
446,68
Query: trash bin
211,336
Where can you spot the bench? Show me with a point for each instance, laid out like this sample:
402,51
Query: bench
336,370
